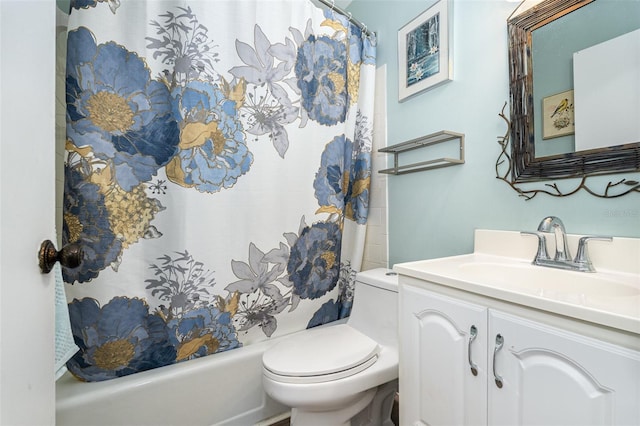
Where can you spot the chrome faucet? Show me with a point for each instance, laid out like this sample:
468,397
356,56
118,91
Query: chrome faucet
562,257
555,225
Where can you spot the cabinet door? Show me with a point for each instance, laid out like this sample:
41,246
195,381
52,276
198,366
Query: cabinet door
555,377
437,385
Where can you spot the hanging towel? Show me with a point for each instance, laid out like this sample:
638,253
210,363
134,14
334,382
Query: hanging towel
65,345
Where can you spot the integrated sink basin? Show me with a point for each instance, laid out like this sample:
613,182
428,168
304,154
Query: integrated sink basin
515,275
551,282
501,268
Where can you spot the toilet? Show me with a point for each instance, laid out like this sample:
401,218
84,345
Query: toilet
342,374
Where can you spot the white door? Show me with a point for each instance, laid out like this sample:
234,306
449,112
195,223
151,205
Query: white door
554,377
27,210
443,378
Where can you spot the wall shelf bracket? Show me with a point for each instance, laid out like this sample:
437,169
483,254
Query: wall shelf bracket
421,142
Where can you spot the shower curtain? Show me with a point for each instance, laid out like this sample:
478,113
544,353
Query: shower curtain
217,175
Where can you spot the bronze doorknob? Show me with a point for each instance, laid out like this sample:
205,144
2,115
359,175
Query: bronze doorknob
70,256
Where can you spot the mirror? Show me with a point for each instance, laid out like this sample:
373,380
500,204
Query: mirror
526,105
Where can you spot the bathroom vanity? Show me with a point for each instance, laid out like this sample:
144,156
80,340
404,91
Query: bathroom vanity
489,338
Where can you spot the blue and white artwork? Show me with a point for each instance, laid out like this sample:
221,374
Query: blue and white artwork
423,47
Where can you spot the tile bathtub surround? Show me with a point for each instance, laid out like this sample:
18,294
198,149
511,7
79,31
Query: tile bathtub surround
376,251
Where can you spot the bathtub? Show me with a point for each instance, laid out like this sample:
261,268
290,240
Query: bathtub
221,389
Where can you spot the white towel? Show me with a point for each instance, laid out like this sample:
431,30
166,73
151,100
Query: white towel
65,345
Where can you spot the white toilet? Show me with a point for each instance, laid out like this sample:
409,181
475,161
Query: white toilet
343,374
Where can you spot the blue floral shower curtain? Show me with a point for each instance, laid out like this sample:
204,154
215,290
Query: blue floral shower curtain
217,175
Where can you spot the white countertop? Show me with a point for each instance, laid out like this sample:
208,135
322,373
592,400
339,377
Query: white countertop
501,268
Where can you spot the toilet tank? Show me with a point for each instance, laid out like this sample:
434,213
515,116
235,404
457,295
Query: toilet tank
375,305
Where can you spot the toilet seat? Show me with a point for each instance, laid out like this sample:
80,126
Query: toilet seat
320,355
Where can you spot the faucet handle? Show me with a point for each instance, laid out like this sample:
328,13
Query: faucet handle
541,254
582,256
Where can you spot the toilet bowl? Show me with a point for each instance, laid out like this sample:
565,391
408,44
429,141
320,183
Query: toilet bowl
343,374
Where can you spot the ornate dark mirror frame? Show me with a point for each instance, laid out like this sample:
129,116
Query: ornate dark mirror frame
523,166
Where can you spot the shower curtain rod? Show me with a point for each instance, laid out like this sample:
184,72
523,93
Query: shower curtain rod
331,4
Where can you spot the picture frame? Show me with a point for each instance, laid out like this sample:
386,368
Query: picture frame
425,50
558,117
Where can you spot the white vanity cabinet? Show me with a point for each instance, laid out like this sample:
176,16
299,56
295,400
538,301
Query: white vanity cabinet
546,375
437,386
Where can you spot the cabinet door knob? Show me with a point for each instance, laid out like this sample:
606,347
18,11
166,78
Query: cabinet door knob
70,256
499,344
473,333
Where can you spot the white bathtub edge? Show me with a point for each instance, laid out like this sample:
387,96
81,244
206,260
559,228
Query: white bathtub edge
222,389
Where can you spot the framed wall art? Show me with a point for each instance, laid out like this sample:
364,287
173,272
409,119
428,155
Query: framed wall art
558,115
425,52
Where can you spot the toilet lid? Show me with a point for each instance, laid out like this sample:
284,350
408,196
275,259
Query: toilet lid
321,351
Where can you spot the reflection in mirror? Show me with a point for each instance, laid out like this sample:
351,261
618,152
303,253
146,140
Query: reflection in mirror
561,50
615,103
526,127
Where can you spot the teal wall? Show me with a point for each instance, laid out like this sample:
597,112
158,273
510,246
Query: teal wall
434,213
